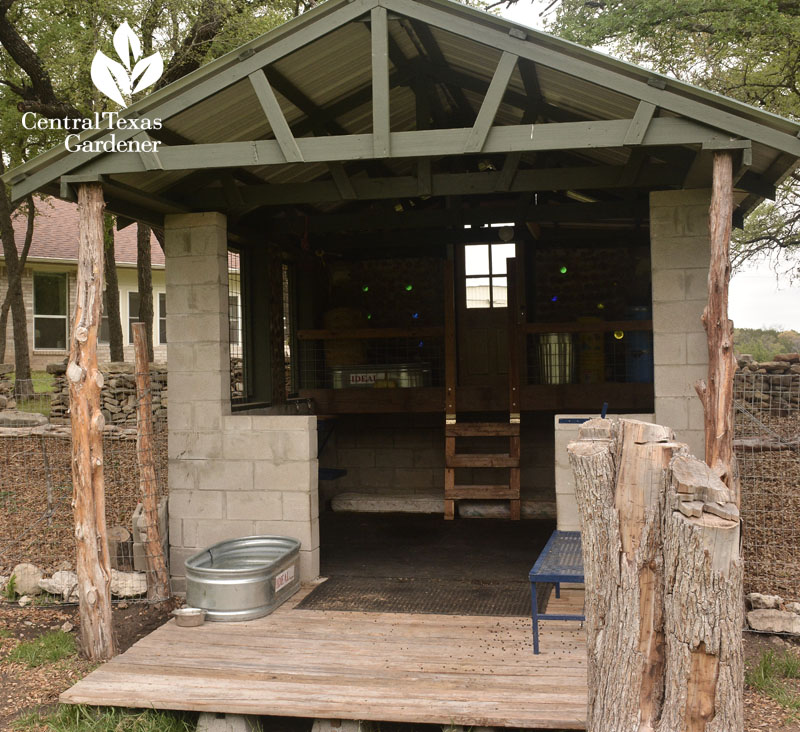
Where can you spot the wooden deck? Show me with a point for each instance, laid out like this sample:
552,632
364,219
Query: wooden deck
441,669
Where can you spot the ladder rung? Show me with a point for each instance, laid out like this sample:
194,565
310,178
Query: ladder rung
481,460
459,492
481,429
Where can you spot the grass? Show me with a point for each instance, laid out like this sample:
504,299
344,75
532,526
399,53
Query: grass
769,674
69,718
48,648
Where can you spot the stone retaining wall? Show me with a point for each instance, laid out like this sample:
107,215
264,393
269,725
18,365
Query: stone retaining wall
778,389
118,394
7,400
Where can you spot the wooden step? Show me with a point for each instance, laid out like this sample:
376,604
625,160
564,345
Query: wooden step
481,492
481,429
481,460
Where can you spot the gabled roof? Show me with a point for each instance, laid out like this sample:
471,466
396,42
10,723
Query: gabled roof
55,236
358,101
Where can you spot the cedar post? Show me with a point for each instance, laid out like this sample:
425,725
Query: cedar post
717,395
157,575
85,381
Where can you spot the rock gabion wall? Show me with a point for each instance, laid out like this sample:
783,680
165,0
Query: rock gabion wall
118,393
7,400
778,389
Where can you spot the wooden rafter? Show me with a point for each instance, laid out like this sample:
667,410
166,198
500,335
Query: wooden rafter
491,103
441,184
500,139
274,114
381,130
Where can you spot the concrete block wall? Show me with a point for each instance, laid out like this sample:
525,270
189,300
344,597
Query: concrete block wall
230,475
680,256
404,454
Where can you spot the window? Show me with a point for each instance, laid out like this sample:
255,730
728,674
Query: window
486,267
104,335
234,320
133,313
162,317
50,311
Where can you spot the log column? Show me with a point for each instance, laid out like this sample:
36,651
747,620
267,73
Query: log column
85,381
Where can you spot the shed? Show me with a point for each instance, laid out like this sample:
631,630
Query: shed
449,227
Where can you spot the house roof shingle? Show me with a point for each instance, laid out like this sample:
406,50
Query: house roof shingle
55,235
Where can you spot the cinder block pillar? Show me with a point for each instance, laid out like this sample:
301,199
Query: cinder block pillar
680,255
230,475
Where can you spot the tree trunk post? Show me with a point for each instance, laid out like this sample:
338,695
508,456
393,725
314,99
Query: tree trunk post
157,575
717,394
85,382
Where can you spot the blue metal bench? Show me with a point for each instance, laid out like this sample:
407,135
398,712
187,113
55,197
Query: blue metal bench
561,560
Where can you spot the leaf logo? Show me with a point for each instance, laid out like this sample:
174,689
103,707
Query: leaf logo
117,80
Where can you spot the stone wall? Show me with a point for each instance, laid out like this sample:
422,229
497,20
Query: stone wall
118,394
7,400
778,389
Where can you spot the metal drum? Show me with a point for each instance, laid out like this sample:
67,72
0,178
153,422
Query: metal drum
243,579
556,358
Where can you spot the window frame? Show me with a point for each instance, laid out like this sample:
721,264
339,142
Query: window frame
64,317
490,275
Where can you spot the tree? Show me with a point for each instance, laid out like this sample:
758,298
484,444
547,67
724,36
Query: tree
745,49
111,293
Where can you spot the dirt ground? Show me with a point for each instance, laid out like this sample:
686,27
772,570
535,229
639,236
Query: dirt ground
23,689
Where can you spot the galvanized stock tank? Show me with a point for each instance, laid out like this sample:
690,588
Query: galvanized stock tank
243,579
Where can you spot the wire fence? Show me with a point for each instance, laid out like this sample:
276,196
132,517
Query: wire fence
36,491
768,452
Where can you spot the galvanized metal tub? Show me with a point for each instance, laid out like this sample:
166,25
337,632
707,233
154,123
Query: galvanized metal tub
243,579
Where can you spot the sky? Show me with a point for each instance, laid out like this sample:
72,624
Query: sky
757,299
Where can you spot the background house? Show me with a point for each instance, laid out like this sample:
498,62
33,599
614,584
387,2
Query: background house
48,285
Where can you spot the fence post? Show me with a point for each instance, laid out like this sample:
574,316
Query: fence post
157,575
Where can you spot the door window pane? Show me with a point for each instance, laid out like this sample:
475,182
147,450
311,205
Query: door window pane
50,333
499,292
476,259
500,253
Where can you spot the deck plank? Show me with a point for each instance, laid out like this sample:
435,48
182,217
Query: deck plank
443,669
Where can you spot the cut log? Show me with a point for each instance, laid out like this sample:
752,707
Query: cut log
703,622
85,381
620,485
157,574
663,583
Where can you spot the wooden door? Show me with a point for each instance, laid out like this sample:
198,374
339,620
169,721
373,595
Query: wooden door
482,311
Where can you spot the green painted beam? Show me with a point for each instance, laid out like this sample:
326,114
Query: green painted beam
421,143
603,177
381,132
274,114
491,103
639,124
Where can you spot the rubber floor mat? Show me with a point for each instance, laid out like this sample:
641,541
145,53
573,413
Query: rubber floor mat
425,595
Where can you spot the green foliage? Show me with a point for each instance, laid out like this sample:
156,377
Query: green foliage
69,718
10,590
769,674
48,648
764,344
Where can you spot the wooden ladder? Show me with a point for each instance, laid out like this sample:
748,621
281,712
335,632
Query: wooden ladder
455,430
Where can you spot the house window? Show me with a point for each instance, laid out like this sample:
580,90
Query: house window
50,311
162,317
234,320
486,269
133,313
105,334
